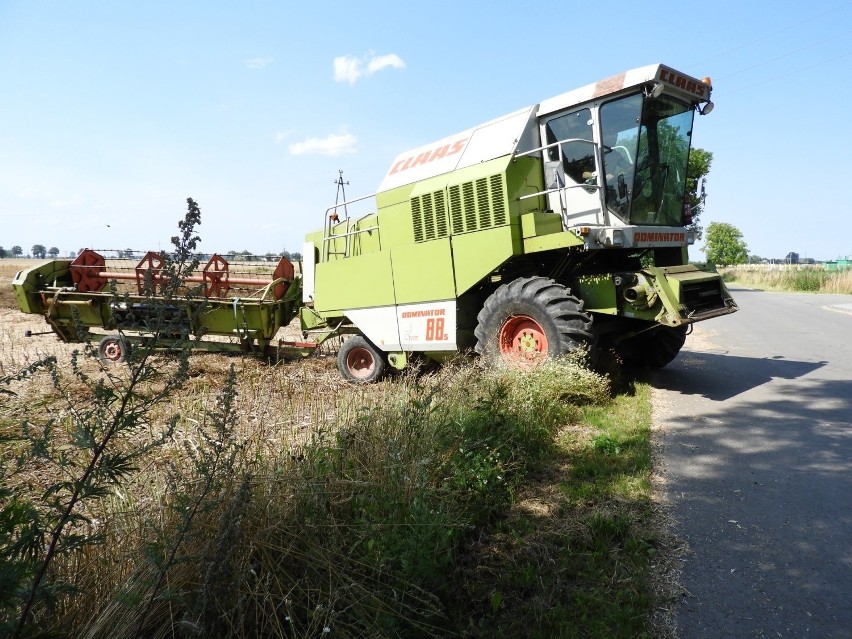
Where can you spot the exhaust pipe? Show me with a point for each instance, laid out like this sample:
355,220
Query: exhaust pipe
636,295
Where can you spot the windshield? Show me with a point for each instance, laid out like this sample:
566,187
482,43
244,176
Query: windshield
645,153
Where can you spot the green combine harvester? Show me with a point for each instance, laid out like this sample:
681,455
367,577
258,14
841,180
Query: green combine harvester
560,226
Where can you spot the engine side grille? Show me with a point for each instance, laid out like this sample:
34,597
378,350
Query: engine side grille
476,205
429,216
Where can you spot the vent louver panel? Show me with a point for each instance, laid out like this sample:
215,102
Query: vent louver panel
440,214
497,202
477,205
429,216
469,207
417,218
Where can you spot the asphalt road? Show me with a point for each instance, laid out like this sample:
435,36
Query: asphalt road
755,422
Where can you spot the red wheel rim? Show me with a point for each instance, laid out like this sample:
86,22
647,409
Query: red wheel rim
360,362
112,351
523,341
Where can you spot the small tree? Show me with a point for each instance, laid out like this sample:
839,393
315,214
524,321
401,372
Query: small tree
725,245
53,252
2,252
17,251
39,251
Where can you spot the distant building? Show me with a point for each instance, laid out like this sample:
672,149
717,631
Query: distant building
840,264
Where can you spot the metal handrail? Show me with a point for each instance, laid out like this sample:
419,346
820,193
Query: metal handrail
596,185
557,189
328,236
557,143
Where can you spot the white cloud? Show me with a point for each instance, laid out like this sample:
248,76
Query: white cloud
350,69
258,63
330,145
280,136
390,60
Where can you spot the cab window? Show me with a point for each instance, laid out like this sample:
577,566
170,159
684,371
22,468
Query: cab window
578,158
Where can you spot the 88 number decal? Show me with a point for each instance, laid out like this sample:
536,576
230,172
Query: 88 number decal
435,330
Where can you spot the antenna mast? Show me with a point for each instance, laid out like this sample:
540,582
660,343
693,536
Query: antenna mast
341,193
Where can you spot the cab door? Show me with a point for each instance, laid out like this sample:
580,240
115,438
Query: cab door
571,168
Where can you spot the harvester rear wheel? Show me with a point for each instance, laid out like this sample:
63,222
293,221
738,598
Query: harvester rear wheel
529,320
656,348
113,349
360,362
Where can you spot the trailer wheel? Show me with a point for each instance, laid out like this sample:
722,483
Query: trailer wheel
361,362
113,349
656,348
530,319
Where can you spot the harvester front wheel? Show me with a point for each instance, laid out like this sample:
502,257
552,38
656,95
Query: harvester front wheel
656,348
529,320
360,362
113,349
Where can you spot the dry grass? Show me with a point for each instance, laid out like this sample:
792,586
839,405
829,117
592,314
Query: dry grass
839,283
326,544
781,277
309,532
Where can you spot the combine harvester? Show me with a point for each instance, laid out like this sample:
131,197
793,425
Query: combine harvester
560,226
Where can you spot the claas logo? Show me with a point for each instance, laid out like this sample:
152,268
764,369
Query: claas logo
428,156
687,84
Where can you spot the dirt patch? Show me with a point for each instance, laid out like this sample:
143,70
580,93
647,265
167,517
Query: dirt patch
18,351
666,574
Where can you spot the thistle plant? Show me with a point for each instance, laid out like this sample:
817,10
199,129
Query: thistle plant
100,431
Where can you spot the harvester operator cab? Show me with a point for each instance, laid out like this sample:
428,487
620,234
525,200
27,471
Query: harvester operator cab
621,160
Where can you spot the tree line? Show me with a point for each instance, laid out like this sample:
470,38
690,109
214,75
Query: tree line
38,250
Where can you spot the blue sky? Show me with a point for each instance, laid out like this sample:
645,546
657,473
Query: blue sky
113,113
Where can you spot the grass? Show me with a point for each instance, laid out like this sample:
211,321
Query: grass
812,279
465,503
572,557
462,503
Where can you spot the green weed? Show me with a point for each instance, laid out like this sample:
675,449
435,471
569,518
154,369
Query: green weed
571,558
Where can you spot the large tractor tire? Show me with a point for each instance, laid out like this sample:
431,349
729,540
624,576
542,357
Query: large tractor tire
530,320
655,348
360,362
